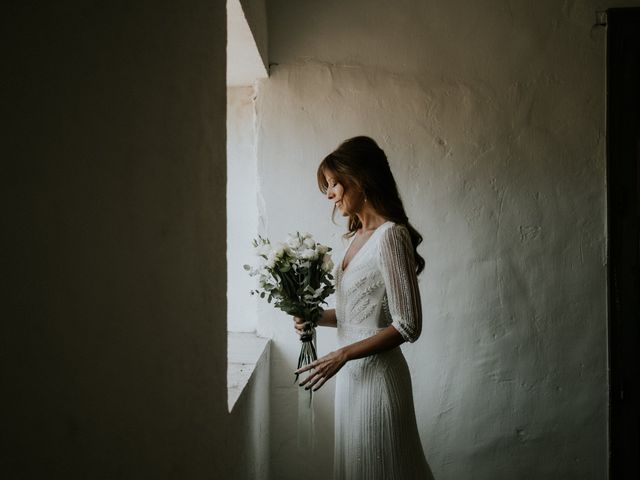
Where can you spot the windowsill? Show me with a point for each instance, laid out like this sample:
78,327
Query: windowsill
244,352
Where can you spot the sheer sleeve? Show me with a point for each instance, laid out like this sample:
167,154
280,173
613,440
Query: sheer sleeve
398,269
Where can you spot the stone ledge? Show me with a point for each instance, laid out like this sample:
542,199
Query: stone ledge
244,352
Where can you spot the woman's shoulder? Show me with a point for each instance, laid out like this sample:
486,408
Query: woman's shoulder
392,232
390,228
395,243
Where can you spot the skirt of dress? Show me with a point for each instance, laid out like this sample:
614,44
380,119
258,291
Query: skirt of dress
376,436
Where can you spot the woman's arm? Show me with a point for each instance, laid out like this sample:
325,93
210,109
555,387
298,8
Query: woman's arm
327,319
382,341
327,366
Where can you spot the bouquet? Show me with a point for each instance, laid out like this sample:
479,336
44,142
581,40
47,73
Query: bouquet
296,277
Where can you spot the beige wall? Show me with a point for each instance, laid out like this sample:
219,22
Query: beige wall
114,347
492,115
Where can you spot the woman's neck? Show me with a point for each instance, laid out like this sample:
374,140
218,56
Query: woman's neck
369,218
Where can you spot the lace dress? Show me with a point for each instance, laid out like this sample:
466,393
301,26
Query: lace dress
376,436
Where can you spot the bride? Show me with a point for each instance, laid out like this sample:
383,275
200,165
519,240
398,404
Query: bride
377,309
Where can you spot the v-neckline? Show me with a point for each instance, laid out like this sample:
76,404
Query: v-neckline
343,269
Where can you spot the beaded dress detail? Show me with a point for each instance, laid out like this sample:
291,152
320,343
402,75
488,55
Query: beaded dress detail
376,436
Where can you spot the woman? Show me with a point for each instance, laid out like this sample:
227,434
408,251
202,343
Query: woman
377,309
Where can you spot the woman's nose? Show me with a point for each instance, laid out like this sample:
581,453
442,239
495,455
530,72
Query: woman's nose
330,194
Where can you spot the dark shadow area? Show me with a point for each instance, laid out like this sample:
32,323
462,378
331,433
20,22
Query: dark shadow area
623,158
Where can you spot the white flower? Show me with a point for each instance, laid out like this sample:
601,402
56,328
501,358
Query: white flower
287,249
321,249
263,249
308,254
294,242
282,248
306,235
309,243
271,259
327,263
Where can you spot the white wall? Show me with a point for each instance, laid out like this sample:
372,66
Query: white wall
113,335
249,439
255,12
246,42
492,116
242,207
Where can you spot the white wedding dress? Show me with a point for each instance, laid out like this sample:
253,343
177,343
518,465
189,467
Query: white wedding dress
376,436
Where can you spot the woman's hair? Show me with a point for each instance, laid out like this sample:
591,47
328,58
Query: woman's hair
359,163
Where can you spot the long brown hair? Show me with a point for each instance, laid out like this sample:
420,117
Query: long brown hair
359,162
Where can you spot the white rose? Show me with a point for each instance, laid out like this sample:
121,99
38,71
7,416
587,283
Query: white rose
321,249
306,235
309,243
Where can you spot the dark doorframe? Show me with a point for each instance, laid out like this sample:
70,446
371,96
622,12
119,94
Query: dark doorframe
623,219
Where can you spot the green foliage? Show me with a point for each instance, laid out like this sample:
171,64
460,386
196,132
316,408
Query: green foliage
295,276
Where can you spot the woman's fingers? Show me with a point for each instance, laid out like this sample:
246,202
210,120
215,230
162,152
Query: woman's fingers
315,380
313,375
300,325
319,378
322,374
322,382
326,367
306,367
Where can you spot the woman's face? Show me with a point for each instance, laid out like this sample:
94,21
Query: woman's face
344,199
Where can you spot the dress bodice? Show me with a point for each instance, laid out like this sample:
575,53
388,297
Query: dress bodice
379,287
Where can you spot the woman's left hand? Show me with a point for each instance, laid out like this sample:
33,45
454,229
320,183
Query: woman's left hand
324,368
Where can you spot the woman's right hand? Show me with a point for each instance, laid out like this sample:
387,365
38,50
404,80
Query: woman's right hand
300,325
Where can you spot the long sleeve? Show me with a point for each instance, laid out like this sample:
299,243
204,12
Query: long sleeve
398,269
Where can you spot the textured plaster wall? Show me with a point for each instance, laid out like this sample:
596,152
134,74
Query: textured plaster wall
250,437
242,207
492,116
113,337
